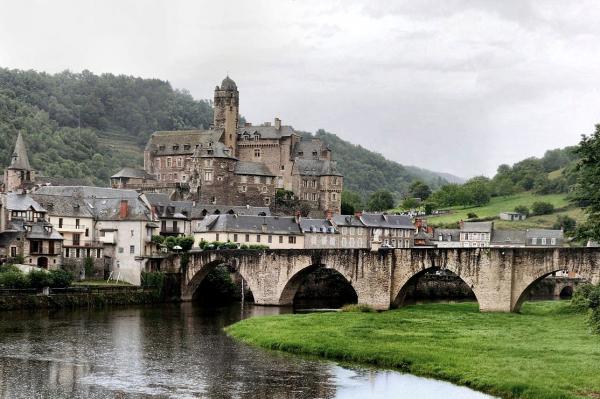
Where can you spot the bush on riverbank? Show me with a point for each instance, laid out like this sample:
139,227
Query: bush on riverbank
11,277
544,352
208,245
361,308
587,299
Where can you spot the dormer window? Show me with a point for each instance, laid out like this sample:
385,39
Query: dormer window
210,144
186,147
256,137
315,153
210,152
161,147
175,147
300,153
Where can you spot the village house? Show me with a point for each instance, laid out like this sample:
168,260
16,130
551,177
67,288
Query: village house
174,217
392,231
319,233
353,232
276,232
476,234
512,216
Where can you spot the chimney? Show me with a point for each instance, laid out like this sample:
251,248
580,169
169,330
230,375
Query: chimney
418,223
298,214
123,209
461,224
358,214
277,123
328,214
429,230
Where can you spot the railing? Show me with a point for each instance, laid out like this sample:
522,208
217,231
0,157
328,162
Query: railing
83,243
170,230
83,289
65,226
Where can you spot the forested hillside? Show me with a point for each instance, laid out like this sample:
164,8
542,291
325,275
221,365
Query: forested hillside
366,171
80,124
88,126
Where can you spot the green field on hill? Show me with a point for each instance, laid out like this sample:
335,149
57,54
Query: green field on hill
508,204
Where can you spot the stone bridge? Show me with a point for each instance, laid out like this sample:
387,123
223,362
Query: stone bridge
499,277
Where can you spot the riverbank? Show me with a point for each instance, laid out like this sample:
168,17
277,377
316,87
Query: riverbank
96,298
544,352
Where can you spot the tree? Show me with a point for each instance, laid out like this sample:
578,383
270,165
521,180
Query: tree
410,203
522,209
566,223
587,189
418,189
351,202
429,207
542,208
478,191
381,200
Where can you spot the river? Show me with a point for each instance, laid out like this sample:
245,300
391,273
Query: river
176,351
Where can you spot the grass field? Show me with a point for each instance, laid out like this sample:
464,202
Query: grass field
111,283
503,204
544,352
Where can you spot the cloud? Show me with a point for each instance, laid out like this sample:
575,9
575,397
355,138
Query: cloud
458,86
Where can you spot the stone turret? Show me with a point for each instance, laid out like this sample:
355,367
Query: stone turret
20,173
227,102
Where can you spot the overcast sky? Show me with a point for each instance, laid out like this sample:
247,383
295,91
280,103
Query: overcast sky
450,85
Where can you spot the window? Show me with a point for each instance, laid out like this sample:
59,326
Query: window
243,179
344,242
281,239
132,232
60,223
257,153
258,238
315,197
282,167
158,163
76,239
175,147
66,252
132,249
534,241
244,188
292,239
270,239
333,196
98,253
544,241
169,162
267,201
217,237
315,153
120,250
208,175
268,180
264,189
553,241
247,238
186,146
87,232
335,181
256,179
179,162
235,237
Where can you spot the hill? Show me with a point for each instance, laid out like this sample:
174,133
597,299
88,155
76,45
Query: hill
83,125
367,171
508,203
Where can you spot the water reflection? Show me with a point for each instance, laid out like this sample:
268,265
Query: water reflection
174,351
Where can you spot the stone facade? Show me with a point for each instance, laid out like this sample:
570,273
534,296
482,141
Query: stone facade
237,165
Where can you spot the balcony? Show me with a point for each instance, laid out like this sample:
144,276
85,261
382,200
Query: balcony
83,243
108,239
169,230
70,228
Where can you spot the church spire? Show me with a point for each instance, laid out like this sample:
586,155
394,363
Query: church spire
19,157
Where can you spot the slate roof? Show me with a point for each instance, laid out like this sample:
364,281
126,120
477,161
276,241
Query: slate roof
216,150
58,205
198,210
19,159
545,233
103,203
38,230
477,227
387,221
347,221
132,173
316,225
7,237
166,208
193,138
228,84
306,147
252,168
512,237
265,132
453,233
59,181
250,224
315,167
22,202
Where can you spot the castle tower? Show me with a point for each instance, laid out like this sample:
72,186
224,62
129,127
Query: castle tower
19,173
227,101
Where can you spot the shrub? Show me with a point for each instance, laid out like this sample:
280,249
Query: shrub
358,308
566,223
587,298
471,215
522,209
14,279
153,279
60,278
542,208
8,268
39,279
88,266
158,239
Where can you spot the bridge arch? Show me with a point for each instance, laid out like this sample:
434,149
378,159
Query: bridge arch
290,288
197,272
523,289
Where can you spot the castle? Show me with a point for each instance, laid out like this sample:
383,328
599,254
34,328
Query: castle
237,165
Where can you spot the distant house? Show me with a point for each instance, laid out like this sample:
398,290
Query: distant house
319,233
509,238
446,238
512,216
545,238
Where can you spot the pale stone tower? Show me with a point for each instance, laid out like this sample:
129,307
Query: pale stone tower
227,101
19,173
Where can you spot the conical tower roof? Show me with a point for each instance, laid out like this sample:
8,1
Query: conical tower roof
19,157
